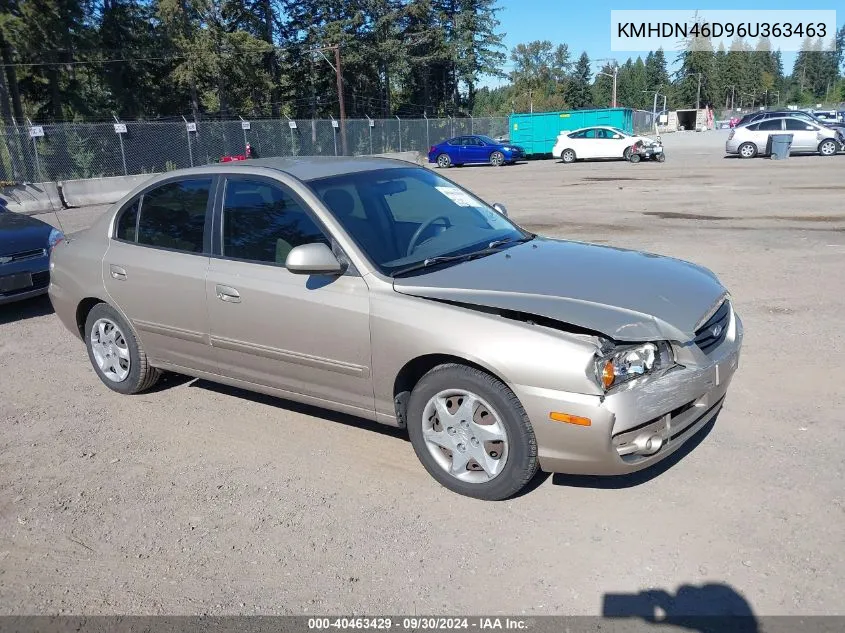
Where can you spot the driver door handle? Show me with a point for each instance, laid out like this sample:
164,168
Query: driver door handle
117,272
228,294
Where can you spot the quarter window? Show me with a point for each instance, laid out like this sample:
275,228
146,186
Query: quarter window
173,215
263,222
127,222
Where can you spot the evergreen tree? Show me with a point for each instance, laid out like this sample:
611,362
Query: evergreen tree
580,92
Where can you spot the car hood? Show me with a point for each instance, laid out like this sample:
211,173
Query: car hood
21,233
625,295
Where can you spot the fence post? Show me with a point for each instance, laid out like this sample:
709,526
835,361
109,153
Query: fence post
188,134
471,125
120,137
370,126
243,129
291,126
427,140
334,134
400,132
451,126
38,175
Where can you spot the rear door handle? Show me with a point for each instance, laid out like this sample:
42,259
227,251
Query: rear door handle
117,272
228,294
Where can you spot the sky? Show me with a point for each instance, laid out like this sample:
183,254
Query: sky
585,25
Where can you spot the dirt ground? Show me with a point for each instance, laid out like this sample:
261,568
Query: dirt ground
199,499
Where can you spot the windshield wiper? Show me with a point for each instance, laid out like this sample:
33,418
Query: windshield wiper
492,247
510,240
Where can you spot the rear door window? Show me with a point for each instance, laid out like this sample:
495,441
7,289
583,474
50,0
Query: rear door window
173,215
770,125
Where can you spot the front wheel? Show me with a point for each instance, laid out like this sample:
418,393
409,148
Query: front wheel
828,147
627,153
497,159
635,158
443,161
660,158
471,433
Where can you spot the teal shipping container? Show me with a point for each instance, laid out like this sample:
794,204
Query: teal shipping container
538,132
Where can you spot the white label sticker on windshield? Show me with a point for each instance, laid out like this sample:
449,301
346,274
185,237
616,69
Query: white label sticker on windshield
457,196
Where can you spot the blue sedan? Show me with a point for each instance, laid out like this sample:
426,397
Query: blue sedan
25,245
463,150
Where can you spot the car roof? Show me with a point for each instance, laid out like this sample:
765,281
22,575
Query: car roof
305,168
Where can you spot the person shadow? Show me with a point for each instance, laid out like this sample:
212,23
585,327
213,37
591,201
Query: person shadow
710,608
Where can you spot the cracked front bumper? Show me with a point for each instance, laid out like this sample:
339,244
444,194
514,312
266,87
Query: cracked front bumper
668,411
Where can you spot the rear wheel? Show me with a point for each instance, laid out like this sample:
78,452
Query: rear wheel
443,161
828,147
497,159
471,433
117,356
747,150
568,156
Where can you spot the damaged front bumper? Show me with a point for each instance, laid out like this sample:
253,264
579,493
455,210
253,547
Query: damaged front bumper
639,426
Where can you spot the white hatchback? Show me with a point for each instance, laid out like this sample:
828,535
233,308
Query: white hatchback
595,142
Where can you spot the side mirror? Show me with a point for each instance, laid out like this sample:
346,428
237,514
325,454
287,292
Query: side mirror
313,259
501,208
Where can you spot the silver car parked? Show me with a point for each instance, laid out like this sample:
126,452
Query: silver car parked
381,289
752,139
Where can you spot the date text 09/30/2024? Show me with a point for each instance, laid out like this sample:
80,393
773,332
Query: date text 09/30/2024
417,623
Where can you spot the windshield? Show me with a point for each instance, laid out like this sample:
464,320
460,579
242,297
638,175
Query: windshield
402,217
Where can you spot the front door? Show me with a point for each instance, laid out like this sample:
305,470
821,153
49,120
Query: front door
304,334
804,135
475,151
155,266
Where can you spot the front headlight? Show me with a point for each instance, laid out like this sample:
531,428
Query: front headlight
56,236
624,364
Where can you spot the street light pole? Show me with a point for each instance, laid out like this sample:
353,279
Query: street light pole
336,67
613,76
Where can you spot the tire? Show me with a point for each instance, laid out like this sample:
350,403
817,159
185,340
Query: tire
454,386
627,153
568,156
497,159
747,150
443,161
661,158
139,375
828,147
635,158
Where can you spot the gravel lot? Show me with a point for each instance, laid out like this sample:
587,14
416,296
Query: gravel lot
199,499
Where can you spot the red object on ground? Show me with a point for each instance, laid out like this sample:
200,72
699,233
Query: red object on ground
229,159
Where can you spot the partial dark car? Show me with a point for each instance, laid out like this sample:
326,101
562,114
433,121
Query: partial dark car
474,149
25,245
762,115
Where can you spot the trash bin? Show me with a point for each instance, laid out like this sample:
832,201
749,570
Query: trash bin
779,146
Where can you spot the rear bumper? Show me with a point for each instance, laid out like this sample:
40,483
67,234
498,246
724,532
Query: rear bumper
669,411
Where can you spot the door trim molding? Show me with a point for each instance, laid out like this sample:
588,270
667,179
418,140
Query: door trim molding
287,356
173,332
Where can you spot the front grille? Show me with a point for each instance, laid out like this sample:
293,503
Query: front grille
23,255
41,280
712,333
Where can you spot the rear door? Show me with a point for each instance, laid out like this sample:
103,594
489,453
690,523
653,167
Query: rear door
589,146
804,135
155,267
304,334
763,130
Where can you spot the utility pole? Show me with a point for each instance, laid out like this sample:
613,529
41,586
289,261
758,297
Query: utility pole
531,101
336,67
613,76
340,97
698,94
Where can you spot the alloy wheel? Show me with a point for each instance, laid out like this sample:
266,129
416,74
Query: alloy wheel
110,350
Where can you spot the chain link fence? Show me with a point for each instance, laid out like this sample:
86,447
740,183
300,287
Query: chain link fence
68,151
644,122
